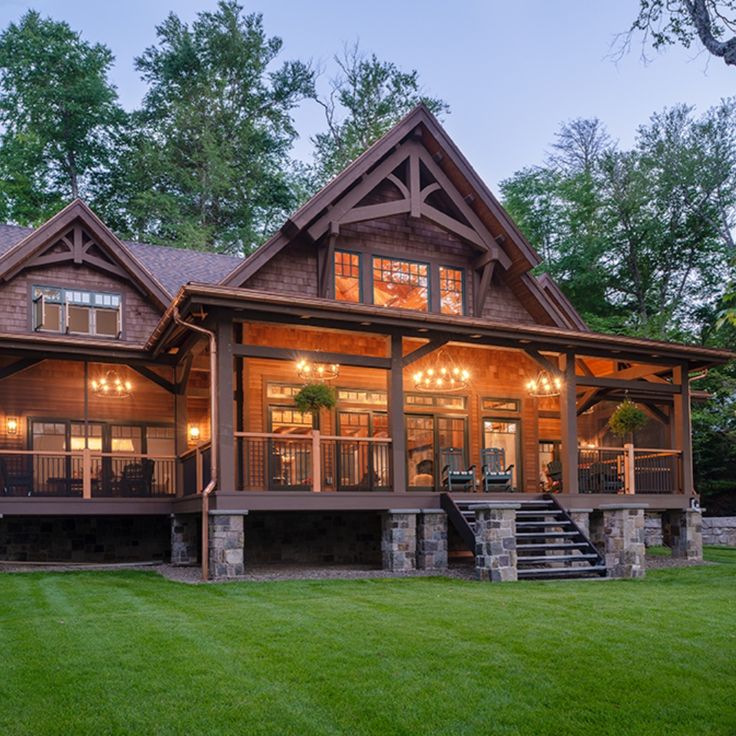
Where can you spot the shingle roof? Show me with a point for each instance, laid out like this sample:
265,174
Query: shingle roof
173,267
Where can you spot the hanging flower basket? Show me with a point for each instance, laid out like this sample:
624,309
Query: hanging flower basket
626,419
315,396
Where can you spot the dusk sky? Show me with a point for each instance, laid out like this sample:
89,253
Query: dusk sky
511,71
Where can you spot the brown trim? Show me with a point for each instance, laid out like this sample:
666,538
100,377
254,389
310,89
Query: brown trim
291,354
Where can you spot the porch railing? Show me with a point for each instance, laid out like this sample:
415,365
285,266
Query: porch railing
312,462
86,474
628,470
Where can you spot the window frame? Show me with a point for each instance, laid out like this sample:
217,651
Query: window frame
428,264
463,289
361,295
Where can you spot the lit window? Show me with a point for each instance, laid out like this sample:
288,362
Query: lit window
76,312
347,276
400,284
451,290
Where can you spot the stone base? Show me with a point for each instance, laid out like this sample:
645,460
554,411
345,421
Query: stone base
184,539
226,546
495,542
399,540
432,541
682,530
621,533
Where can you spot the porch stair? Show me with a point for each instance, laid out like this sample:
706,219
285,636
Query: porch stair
549,544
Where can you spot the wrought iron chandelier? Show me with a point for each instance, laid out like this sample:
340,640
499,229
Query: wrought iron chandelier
544,385
443,376
111,386
309,370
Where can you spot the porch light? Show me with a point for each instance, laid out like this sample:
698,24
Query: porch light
194,433
11,425
544,385
443,378
308,370
111,386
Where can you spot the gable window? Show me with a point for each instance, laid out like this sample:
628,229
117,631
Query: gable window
403,284
76,312
347,276
452,298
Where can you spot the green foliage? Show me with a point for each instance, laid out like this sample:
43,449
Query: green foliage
206,162
59,117
313,397
627,418
367,98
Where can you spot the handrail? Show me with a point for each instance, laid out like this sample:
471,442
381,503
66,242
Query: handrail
308,436
669,451
201,447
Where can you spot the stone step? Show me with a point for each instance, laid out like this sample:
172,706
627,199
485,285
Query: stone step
529,559
558,545
545,535
563,572
556,522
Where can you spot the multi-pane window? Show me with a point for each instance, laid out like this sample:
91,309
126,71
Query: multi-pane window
403,284
75,311
451,290
347,276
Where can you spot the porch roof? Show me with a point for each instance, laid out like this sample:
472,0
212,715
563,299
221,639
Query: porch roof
268,306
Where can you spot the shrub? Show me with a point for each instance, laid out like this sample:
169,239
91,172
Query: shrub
626,419
315,396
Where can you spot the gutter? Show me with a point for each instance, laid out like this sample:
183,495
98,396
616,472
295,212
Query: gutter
213,438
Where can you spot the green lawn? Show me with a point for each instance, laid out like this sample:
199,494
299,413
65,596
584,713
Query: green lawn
131,653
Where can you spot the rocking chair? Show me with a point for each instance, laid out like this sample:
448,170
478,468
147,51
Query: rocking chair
456,476
497,476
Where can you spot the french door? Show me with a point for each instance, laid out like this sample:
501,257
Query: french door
504,434
360,466
429,437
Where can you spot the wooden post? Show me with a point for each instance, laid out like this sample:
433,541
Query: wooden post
629,469
568,424
316,462
181,422
225,431
682,428
396,415
199,470
86,473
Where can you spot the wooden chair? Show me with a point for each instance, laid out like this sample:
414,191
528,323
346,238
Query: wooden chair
137,478
604,478
455,473
554,472
497,476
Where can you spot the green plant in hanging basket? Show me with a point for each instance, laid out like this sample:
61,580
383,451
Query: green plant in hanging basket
315,396
626,419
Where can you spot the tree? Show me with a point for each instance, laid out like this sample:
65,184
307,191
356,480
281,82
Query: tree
58,112
665,22
206,163
366,99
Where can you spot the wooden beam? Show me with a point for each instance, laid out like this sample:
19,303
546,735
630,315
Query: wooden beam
226,427
415,194
589,399
18,366
397,424
375,211
541,360
484,284
426,349
654,411
654,388
328,266
681,425
569,425
454,226
292,354
583,367
184,370
154,377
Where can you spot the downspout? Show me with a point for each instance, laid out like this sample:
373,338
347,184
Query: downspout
213,438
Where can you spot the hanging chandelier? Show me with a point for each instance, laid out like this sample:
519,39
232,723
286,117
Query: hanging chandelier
444,376
111,386
308,370
544,385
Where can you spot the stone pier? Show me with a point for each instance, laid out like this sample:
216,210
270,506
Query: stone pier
399,539
495,541
184,539
619,533
581,518
682,530
226,545
432,540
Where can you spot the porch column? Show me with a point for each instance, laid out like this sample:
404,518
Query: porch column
495,541
682,531
682,428
569,424
399,539
620,532
184,539
432,540
581,519
181,423
225,424
396,415
226,544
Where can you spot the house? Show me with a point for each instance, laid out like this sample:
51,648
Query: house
147,393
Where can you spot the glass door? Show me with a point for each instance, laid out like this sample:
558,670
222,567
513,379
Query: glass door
420,450
361,466
504,434
289,461
451,438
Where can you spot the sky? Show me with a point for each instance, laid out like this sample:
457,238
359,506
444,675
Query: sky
511,70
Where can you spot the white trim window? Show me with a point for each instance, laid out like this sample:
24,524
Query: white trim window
77,312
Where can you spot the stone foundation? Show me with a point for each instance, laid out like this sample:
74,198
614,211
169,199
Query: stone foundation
399,539
432,540
581,518
95,539
185,539
495,542
719,530
682,531
314,538
618,532
653,529
226,545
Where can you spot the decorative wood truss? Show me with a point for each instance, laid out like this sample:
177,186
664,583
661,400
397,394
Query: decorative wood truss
422,189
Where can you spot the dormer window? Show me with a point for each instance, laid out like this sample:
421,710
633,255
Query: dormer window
76,312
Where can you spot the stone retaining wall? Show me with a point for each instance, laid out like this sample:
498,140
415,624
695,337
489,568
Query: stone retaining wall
719,530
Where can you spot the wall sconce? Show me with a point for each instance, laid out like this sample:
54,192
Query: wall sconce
193,433
11,425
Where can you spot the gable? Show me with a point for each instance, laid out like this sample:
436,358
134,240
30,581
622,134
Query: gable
411,196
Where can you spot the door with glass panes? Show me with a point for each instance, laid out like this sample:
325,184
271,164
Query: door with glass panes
504,434
288,460
359,465
429,440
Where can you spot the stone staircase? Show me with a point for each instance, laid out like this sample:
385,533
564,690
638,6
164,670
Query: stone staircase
548,542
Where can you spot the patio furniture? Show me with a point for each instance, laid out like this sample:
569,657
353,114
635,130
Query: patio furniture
497,476
456,475
554,472
137,478
605,478
424,475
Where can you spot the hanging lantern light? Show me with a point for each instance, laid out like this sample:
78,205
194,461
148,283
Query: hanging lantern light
544,385
111,386
444,376
308,370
